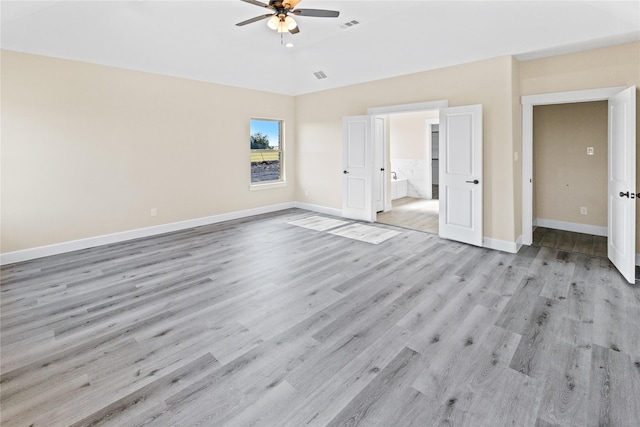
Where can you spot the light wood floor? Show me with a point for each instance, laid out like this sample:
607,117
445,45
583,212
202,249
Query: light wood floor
259,322
413,213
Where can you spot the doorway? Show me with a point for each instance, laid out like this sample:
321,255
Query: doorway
570,176
411,141
461,181
621,168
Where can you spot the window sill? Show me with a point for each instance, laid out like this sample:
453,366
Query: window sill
267,186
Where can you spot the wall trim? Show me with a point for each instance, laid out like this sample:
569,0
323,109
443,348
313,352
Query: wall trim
318,208
518,243
571,226
570,97
90,242
501,245
406,108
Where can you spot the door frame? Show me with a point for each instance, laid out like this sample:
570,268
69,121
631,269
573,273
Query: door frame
429,123
408,108
528,102
380,161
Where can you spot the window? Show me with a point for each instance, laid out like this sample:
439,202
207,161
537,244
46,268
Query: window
267,158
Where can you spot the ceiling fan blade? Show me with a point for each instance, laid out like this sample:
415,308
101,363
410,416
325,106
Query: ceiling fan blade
256,19
257,3
320,13
295,30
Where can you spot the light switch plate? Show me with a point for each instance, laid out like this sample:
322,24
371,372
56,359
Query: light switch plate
589,151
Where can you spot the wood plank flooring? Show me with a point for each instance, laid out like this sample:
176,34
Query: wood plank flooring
412,213
257,322
570,241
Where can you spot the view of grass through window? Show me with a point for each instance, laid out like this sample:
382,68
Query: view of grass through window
266,150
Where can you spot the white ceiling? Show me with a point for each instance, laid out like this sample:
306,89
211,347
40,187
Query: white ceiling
199,40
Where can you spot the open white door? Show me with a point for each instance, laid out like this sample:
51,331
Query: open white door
357,162
461,174
622,182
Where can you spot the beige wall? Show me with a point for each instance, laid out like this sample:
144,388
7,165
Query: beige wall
88,150
565,177
408,134
486,82
607,67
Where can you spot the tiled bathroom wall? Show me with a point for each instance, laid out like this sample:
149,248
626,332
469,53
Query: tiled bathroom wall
414,170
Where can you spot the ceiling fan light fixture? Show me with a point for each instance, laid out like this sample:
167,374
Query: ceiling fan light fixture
282,24
290,23
273,22
282,27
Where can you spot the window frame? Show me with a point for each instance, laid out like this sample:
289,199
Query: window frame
281,181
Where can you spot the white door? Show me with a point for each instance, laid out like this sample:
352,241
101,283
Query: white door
378,169
622,182
461,174
357,168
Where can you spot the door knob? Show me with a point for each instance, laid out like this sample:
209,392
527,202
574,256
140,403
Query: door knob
475,181
624,194
345,172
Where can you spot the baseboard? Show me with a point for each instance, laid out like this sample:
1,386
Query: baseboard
571,226
518,243
637,259
107,239
502,245
318,208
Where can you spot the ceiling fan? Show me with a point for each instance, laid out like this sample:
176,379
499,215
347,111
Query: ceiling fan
280,19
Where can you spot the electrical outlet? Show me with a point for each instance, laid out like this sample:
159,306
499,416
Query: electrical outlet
583,211
154,212
589,151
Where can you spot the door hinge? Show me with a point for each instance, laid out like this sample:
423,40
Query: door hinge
629,194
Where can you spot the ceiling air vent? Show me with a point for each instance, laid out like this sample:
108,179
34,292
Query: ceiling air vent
349,24
320,75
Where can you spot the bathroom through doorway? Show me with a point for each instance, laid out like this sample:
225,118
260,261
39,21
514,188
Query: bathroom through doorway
412,141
